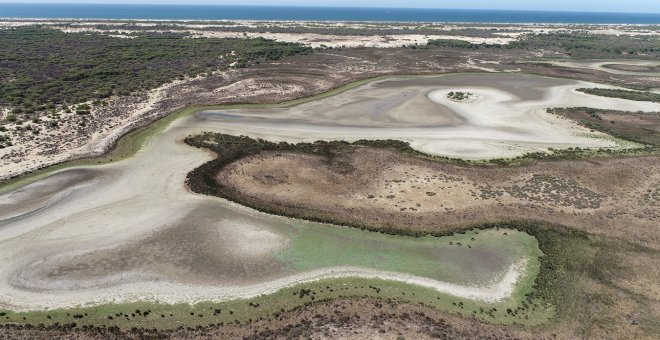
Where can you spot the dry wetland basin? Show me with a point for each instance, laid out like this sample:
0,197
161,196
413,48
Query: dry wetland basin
131,233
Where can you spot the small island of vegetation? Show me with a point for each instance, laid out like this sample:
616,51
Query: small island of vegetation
459,96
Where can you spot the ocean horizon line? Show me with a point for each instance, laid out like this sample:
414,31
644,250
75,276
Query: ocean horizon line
323,7
100,11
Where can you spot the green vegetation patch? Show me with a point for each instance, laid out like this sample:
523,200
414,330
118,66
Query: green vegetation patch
162,316
623,94
574,44
459,96
587,45
469,259
43,69
455,43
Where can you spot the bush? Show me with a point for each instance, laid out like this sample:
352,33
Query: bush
624,94
50,68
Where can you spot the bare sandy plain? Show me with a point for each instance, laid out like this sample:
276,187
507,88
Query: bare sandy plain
67,244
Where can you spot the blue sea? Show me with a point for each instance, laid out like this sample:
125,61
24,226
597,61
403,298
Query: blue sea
206,12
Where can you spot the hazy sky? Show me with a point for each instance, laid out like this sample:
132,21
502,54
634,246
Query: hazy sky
551,5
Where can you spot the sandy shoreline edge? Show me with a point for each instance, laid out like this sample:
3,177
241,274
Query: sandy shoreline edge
172,293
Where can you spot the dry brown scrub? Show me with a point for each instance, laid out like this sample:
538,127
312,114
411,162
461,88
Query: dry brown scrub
340,319
633,68
381,188
364,319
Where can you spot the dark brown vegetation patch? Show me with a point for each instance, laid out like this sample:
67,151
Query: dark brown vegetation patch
45,68
380,188
632,68
344,318
625,94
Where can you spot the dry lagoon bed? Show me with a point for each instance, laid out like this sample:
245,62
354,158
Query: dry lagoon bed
74,239
505,116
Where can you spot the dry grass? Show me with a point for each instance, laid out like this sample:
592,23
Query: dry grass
378,187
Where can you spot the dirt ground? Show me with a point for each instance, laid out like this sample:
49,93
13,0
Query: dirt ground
376,187
365,319
341,319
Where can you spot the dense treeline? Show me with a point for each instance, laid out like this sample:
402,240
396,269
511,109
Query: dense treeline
43,68
455,43
579,45
584,45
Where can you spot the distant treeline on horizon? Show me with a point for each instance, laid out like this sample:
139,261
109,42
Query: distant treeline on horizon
221,12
